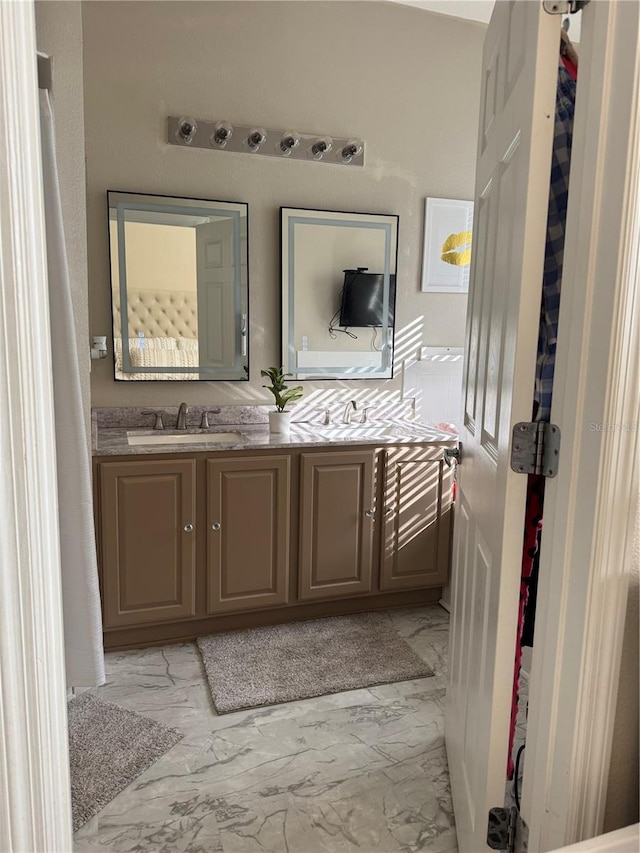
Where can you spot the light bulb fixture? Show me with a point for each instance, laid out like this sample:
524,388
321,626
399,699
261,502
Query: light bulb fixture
257,137
187,129
320,147
222,133
353,148
219,135
289,141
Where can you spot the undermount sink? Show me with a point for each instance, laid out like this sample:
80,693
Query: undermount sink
136,438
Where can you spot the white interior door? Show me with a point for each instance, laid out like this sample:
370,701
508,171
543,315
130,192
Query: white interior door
512,191
217,322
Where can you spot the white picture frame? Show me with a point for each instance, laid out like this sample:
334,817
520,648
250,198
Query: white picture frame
446,221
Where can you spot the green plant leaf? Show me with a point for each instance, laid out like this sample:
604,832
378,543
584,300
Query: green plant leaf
280,390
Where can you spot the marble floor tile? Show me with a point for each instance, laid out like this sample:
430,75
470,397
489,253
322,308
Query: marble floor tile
364,770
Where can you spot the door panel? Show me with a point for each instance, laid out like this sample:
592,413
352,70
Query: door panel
512,192
336,536
416,518
248,553
217,320
148,558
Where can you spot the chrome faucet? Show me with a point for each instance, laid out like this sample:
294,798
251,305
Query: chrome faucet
182,416
348,411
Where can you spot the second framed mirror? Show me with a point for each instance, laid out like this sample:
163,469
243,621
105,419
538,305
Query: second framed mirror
338,293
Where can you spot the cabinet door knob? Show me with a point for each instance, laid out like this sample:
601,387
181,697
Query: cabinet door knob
216,525
188,528
369,513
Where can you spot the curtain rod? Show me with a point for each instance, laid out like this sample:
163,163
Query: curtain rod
44,71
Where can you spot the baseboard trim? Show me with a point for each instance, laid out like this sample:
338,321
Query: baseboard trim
183,632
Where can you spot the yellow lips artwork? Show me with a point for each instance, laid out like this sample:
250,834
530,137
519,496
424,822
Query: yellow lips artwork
456,249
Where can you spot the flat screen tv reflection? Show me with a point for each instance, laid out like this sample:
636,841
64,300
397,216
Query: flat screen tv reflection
362,299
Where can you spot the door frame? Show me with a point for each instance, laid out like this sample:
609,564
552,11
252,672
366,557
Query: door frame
33,744
35,799
591,508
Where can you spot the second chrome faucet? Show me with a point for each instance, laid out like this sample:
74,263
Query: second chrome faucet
182,416
349,409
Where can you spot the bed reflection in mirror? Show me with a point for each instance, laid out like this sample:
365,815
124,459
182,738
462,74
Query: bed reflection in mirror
338,280
179,287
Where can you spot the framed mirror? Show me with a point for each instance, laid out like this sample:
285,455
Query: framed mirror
338,293
179,287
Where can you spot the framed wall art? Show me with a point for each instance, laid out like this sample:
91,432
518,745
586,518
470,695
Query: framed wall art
448,225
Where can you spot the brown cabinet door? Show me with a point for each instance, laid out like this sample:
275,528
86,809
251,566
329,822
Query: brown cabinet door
148,541
248,508
336,524
416,515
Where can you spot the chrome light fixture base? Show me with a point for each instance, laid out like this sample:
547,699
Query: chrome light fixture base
221,135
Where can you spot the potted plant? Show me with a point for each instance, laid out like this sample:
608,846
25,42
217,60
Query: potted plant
280,421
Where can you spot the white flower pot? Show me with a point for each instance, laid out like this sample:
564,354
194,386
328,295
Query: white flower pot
280,422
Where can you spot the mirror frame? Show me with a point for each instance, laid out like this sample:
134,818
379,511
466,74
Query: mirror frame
389,223
237,211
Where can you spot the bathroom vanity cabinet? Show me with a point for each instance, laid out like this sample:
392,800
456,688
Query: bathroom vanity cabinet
247,551
416,520
190,543
337,512
148,543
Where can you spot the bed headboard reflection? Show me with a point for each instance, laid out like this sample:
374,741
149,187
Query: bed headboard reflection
168,323
158,314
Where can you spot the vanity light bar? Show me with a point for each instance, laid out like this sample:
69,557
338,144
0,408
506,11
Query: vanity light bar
286,144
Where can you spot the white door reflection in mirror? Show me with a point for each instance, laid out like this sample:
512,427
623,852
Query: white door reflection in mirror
338,293
216,304
179,287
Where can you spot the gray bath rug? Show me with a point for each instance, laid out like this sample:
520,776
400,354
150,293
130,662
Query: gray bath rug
108,747
281,663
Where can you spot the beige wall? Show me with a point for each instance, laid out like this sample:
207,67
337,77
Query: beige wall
320,256
59,34
406,81
159,258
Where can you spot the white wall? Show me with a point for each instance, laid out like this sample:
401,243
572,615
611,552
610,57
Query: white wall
320,255
59,34
406,81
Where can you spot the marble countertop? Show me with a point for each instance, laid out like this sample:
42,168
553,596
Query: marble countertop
114,441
